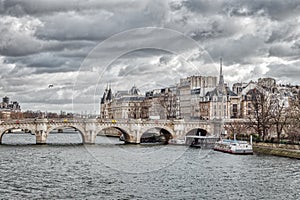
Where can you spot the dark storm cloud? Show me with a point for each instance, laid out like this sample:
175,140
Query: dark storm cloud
237,51
50,39
79,26
19,38
48,7
275,9
284,50
44,63
86,20
284,72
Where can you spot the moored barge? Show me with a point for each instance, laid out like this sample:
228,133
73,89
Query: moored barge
233,146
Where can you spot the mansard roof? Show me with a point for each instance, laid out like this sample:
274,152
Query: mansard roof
218,92
215,92
230,92
107,95
134,91
131,98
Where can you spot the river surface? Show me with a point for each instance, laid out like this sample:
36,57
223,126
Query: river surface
64,169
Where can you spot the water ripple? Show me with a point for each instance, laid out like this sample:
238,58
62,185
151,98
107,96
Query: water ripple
70,172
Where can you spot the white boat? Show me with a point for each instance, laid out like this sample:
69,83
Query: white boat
15,130
233,146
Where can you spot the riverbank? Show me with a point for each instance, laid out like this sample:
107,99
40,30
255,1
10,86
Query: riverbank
290,151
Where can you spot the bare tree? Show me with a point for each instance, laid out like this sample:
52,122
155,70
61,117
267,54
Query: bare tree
260,120
293,122
168,101
279,114
236,127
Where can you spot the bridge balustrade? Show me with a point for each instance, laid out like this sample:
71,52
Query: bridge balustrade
90,127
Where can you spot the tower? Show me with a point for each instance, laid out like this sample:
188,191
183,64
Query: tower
5,100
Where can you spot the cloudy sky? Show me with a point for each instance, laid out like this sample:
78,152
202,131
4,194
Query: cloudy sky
81,46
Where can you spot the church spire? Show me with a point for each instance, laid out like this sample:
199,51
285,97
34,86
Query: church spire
221,66
221,78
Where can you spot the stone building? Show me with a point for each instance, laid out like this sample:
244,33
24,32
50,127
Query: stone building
162,103
237,88
189,91
9,106
194,98
105,104
9,109
216,103
122,104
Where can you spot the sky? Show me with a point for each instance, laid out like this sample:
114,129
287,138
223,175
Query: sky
82,46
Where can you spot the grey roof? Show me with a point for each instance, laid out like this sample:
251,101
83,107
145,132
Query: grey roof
215,92
218,92
230,92
131,98
134,90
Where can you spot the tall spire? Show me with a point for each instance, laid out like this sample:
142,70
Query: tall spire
221,67
221,78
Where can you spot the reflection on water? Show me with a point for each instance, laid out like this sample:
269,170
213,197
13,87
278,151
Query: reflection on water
65,169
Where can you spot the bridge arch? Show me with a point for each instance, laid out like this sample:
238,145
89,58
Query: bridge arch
125,132
63,126
7,129
166,132
197,131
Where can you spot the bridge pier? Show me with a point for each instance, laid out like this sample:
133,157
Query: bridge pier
132,140
135,137
41,137
89,137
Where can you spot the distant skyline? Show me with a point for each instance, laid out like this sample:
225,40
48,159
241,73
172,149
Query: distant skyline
47,42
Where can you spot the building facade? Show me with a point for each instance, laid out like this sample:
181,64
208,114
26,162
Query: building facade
190,90
9,109
194,98
122,104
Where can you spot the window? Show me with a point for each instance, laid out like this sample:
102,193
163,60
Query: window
234,108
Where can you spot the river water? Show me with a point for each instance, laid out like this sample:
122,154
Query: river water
64,169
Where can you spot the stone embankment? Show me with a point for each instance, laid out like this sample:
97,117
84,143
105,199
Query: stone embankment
285,150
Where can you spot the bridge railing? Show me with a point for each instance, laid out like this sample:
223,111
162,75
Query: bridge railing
102,121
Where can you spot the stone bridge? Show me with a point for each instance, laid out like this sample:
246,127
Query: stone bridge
131,129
